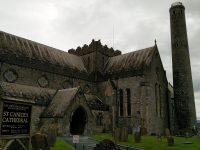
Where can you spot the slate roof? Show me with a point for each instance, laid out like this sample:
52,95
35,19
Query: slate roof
59,104
133,61
17,50
95,103
33,94
32,51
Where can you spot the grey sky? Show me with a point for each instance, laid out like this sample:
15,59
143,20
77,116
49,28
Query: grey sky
66,24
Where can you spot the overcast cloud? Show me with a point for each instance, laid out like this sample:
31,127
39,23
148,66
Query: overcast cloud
66,24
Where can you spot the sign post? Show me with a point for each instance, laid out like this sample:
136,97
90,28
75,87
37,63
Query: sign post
15,119
75,140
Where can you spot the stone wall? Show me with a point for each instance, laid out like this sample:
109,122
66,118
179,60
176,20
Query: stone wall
38,78
143,98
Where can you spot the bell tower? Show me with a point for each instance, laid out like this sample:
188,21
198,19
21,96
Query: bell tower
182,77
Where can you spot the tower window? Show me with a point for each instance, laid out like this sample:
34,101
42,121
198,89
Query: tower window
121,105
128,92
174,12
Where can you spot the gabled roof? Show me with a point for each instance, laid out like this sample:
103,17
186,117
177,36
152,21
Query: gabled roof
20,51
133,61
60,103
36,52
28,93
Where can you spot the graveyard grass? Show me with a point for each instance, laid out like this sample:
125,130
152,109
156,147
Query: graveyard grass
152,143
61,145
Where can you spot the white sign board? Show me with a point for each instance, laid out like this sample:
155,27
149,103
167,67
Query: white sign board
75,138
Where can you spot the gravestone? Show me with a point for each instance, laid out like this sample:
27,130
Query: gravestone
143,131
39,142
116,134
137,134
121,134
167,132
137,137
52,134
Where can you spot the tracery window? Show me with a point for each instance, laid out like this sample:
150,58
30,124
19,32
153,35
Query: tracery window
121,103
128,92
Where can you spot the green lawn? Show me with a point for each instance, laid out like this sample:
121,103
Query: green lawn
152,143
61,145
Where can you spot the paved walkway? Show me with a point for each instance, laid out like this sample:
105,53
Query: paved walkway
85,143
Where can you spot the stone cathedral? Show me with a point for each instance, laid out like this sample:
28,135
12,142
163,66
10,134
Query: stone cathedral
93,87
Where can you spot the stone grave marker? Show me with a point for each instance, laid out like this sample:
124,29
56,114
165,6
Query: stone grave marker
137,134
52,134
137,137
39,142
124,134
167,132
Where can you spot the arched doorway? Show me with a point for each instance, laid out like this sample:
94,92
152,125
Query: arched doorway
78,121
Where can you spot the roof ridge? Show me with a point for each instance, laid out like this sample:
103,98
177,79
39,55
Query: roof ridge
34,51
138,50
131,61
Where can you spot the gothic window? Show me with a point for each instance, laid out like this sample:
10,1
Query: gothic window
99,119
160,100
121,103
103,61
128,92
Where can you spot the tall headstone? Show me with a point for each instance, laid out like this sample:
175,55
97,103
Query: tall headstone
52,134
182,77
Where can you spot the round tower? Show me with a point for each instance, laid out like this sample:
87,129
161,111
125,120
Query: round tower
182,77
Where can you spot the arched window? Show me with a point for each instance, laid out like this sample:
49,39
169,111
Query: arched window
121,103
160,100
128,92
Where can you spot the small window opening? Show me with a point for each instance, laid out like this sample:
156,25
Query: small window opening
128,102
121,103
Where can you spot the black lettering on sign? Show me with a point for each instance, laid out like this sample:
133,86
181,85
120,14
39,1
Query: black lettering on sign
15,119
